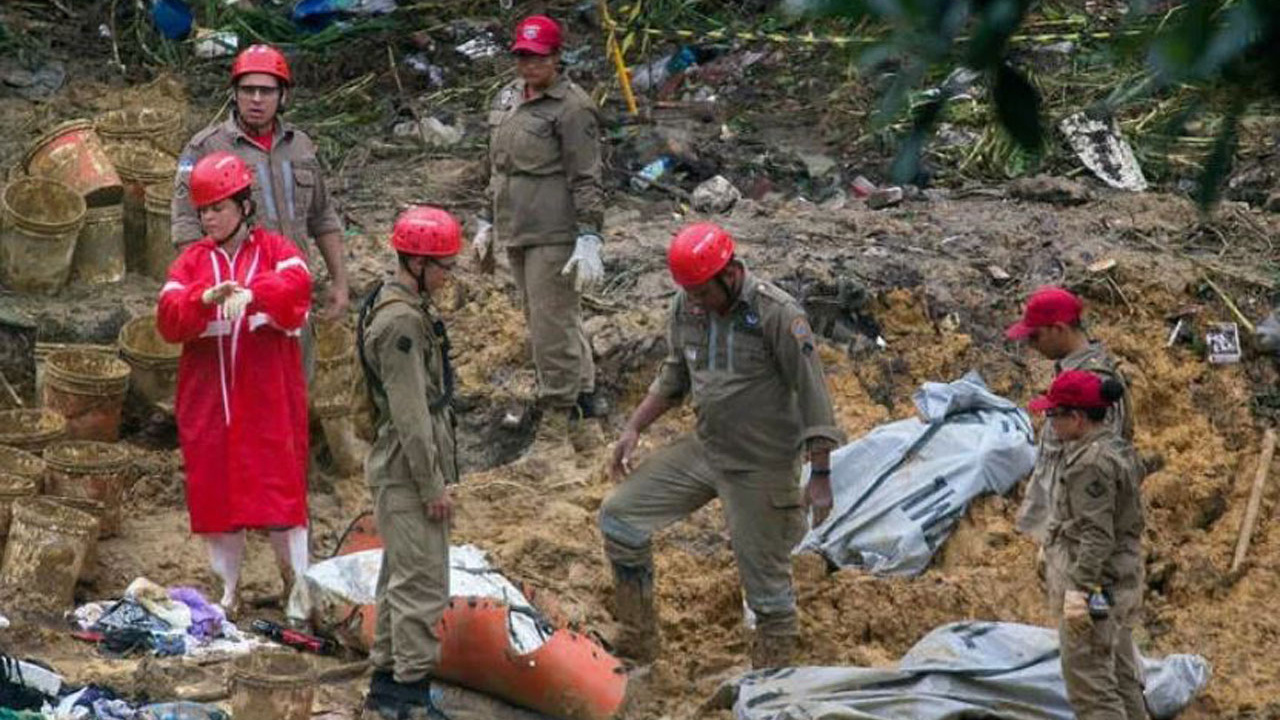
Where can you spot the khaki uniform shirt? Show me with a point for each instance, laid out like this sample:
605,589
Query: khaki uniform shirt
1097,519
415,442
1035,511
545,168
289,191
754,376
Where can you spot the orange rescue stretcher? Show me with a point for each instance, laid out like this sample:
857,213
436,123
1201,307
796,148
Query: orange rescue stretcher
570,676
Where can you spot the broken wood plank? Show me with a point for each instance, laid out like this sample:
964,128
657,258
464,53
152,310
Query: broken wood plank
1255,499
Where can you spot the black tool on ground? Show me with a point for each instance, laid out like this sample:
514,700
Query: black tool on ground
1099,604
294,638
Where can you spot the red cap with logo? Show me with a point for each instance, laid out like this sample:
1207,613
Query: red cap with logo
1047,306
1072,389
537,34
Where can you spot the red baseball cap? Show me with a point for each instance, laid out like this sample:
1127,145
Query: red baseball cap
537,34
1047,306
1073,389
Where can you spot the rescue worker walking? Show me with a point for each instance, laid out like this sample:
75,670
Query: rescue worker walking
289,189
1094,548
743,351
547,208
236,300
404,351
1051,324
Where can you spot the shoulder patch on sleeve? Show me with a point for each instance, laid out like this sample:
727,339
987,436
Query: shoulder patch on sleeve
404,344
186,163
803,334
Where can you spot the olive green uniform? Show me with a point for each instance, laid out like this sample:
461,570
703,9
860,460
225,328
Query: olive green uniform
545,186
1033,516
1094,540
289,191
412,459
758,390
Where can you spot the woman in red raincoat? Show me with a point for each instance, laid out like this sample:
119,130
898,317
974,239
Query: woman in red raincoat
236,300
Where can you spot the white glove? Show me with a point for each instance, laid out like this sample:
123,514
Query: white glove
585,264
234,306
218,293
483,240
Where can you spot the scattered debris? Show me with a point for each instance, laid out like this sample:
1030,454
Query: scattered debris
885,198
1273,202
1102,266
652,172
216,43
656,73
318,14
1100,147
172,18
422,65
40,83
998,274
1223,340
431,131
862,187
1268,334
716,195
1049,189
480,47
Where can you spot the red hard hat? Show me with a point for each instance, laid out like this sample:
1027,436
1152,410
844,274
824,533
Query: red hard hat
261,59
425,230
218,176
698,253
537,34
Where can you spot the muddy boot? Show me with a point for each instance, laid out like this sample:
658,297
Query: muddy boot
637,638
773,651
553,432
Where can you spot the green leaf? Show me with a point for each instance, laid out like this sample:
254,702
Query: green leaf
1218,166
1018,108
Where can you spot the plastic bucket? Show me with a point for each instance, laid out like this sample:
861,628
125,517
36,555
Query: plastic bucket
73,153
140,166
42,219
95,470
161,128
160,252
88,388
20,463
13,488
99,254
17,360
272,686
153,359
31,430
46,551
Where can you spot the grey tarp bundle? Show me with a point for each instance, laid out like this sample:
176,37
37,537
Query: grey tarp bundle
959,670
900,489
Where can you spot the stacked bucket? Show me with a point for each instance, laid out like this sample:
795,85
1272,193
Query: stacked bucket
80,204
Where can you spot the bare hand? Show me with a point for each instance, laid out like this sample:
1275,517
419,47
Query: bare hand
817,497
622,452
441,509
337,302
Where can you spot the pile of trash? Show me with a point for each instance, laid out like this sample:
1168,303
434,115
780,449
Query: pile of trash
165,622
32,691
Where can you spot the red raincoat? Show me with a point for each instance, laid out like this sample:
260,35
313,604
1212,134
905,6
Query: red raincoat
242,402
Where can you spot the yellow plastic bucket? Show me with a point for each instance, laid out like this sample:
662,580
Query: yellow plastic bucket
153,359
99,255
159,127
73,153
160,252
140,166
41,220
88,389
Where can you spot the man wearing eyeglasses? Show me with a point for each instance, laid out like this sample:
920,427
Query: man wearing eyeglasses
289,191
1052,325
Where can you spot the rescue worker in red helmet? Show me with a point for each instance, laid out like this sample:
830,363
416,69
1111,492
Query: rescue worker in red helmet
237,299
742,351
404,351
547,206
289,188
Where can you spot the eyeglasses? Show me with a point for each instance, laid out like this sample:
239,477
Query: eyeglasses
256,91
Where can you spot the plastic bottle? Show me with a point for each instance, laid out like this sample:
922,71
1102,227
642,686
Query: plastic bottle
651,172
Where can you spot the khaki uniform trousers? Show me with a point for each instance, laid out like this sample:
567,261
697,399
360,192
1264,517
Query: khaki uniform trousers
764,512
553,311
413,585
1100,662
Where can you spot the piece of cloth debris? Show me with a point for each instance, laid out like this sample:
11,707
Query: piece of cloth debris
157,602
206,618
964,669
